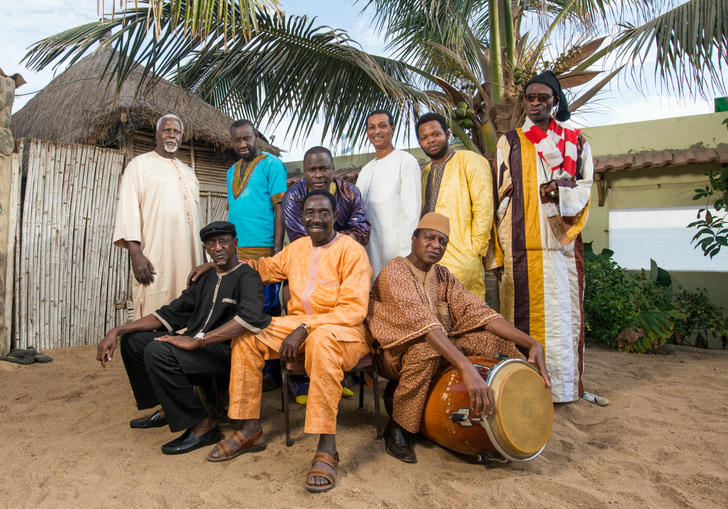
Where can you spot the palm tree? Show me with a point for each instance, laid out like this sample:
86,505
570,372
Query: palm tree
466,58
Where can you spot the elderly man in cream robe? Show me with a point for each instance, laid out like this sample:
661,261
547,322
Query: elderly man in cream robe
390,186
157,220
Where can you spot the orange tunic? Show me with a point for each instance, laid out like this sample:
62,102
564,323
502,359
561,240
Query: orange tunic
329,293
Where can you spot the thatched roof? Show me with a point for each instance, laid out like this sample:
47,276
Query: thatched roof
80,107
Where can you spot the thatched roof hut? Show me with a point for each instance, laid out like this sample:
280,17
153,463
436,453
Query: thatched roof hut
79,106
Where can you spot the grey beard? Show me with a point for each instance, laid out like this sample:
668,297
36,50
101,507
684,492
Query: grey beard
171,146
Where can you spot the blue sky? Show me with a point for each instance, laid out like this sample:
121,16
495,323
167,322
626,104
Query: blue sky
25,22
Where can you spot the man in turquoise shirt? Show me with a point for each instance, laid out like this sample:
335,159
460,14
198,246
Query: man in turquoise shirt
255,186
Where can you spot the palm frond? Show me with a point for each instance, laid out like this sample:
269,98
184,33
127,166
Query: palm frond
690,43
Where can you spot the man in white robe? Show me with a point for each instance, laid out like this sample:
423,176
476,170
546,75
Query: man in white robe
390,186
157,220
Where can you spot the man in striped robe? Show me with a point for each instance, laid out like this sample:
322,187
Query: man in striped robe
544,177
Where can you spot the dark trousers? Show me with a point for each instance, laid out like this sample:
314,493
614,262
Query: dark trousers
161,373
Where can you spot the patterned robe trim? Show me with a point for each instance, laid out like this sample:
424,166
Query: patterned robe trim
276,198
254,252
242,175
434,179
399,311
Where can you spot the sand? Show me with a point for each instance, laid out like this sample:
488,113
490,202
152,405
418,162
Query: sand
662,442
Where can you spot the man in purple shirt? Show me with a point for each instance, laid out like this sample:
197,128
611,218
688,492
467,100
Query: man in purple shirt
318,173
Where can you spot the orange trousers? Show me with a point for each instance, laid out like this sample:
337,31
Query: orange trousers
329,352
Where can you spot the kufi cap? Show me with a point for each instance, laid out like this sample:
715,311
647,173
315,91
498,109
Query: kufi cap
216,228
549,79
435,221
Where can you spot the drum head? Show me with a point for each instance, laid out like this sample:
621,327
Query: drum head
523,416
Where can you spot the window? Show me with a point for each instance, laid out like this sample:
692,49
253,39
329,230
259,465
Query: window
636,235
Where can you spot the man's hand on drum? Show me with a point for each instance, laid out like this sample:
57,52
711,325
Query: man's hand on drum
536,357
481,401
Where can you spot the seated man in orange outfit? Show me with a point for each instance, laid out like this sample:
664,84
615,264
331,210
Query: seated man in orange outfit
329,277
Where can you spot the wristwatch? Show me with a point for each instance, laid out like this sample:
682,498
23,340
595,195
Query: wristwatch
304,327
200,337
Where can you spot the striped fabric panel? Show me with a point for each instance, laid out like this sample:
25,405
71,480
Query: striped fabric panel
533,242
521,308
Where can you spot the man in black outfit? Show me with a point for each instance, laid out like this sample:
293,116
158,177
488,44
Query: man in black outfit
164,367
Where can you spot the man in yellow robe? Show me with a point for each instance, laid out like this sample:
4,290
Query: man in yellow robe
459,185
545,175
157,220
329,276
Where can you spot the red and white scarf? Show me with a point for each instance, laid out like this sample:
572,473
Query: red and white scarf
556,147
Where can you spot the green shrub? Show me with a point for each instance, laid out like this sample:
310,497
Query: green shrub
638,312
701,319
631,312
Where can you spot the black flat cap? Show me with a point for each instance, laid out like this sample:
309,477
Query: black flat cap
217,228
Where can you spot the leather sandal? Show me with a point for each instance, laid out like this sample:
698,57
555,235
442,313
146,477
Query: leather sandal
326,459
225,452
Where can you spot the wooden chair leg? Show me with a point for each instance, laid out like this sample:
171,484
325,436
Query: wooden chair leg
285,403
377,409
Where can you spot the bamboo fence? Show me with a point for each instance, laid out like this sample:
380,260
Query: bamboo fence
71,283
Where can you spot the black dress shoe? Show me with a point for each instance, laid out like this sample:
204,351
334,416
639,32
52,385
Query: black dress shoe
396,445
189,442
156,420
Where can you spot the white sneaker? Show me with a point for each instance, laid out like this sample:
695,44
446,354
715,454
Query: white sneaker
593,398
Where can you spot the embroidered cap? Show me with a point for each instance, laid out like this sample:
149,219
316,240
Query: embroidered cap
217,228
435,221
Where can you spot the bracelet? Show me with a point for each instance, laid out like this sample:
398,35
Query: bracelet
200,339
304,328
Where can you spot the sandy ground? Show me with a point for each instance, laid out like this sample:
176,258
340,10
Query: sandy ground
662,442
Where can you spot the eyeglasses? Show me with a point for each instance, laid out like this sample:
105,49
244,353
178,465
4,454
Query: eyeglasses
225,242
542,98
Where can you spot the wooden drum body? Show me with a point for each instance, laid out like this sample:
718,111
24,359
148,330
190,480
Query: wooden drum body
522,418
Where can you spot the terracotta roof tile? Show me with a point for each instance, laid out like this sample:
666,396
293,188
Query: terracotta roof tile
661,158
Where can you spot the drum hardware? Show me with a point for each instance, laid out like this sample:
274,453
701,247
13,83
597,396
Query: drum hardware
501,357
462,417
489,458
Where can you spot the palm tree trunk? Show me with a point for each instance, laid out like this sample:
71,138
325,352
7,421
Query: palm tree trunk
509,39
496,88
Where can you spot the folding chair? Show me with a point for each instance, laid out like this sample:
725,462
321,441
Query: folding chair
364,366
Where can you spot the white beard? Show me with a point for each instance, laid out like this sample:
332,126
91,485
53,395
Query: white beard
171,146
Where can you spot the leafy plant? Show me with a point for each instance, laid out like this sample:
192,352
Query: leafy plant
248,59
701,318
712,228
631,312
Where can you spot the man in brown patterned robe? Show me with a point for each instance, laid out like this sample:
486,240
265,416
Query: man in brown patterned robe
423,317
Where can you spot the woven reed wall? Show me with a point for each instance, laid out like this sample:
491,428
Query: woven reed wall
68,275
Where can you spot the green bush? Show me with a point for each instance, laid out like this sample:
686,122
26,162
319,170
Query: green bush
702,318
631,312
638,312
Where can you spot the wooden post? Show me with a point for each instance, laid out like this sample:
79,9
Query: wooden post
7,95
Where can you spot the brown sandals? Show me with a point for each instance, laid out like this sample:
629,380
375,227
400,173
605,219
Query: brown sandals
225,453
327,459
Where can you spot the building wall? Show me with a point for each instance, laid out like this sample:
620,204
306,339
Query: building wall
664,187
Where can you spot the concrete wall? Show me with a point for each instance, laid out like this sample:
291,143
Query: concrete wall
671,186
7,95
667,134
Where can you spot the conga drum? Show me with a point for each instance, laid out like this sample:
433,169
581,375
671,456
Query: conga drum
522,418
